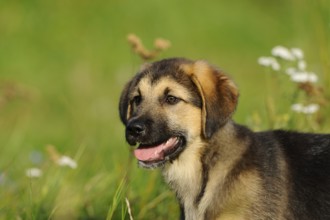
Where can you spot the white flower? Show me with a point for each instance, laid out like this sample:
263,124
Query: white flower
312,108
67,161
33,172
297,107
291,71
309,109
269,61
265,61
302,65
297,53
276,66
282,52
303,77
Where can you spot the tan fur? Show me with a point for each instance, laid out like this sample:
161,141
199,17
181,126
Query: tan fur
229,156
184,177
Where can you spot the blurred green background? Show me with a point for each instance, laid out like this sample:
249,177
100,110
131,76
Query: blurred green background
63,65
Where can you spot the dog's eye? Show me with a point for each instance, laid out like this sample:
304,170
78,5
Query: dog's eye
137,99
172,100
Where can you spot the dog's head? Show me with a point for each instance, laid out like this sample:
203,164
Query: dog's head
170,103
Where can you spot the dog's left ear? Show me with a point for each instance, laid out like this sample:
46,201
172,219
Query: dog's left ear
219,95
124,104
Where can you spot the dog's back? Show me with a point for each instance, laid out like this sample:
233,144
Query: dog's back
308,161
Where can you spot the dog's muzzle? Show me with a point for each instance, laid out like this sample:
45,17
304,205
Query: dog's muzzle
156,146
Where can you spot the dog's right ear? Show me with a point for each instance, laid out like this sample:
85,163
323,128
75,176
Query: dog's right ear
124,103
219,95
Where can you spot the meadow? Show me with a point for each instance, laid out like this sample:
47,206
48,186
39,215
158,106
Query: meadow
62,67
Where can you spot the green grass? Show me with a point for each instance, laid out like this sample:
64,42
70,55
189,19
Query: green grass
63,65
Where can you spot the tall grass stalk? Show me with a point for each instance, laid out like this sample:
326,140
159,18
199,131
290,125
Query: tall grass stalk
152,204
128,208
117,198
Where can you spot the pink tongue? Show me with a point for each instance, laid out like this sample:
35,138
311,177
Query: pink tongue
157,152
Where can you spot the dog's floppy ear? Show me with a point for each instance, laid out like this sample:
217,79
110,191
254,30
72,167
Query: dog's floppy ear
219,95
124,103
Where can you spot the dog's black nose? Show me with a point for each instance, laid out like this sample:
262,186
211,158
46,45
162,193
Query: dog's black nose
136,129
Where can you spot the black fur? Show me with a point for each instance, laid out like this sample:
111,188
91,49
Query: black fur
308,157
182,216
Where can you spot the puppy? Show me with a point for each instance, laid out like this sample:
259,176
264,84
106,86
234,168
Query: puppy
178,113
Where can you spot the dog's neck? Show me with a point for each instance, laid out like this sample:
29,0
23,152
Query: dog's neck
184,176
188,175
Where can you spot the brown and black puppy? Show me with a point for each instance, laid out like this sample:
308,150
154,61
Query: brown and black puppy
178,113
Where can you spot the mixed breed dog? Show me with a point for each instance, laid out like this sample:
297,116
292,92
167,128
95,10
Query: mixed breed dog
178,114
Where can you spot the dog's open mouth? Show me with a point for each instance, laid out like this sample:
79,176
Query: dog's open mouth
157,155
